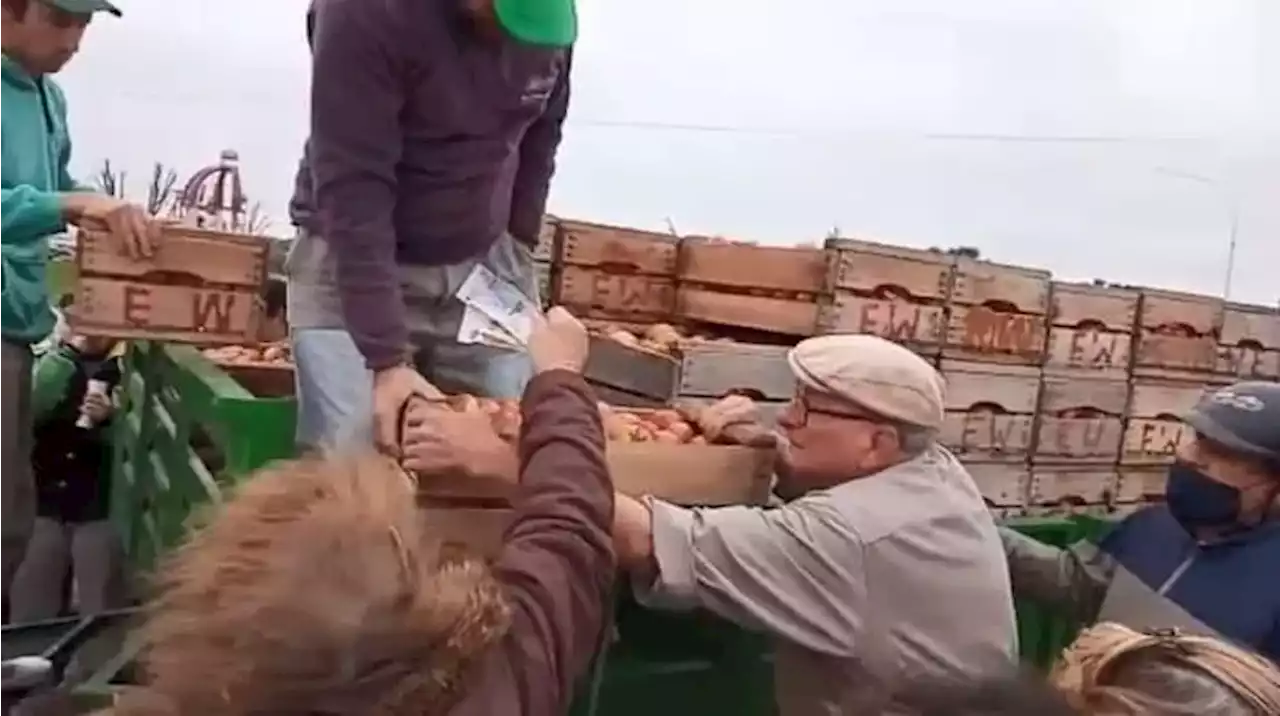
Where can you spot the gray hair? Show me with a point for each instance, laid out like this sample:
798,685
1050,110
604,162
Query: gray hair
914,439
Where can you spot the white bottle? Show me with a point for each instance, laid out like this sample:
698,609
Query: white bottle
95,387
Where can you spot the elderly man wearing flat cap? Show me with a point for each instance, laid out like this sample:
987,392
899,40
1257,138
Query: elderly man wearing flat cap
883,565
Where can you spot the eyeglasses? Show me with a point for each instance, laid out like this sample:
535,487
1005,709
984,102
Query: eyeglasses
799,411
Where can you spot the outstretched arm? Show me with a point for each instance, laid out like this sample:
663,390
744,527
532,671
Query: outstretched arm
1073,580
750,565
557,560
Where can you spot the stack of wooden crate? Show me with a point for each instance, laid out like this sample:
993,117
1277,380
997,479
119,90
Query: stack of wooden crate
1062,397
1174,362
991,357
1084,397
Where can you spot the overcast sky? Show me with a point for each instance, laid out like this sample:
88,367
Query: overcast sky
1095,138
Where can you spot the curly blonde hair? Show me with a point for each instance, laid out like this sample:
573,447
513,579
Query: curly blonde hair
316,589
1111,670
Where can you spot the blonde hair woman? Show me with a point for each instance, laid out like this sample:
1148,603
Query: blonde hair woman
1112,670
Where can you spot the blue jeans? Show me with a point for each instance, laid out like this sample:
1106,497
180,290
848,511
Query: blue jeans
335,390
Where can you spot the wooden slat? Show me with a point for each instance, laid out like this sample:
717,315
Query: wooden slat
990,410
1003,486
713,369
1009,289
130,309
1073,486
632,370
1141,484
627,297
1083,305
763,268
980,333
919,326
618,249
1197,315
1088,352
1154,429
874,269
1081,420
229,260
776,315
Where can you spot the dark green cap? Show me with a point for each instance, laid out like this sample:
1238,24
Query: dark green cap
84,7
552,23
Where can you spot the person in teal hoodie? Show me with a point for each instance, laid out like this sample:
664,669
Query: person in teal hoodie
40,199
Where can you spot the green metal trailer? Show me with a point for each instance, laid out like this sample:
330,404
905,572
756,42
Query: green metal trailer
190,430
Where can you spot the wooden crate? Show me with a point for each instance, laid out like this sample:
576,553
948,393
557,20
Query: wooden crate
1004,486
711,370
614,273
632,377
1249,344
1081,420
1177,335
1073,486
990,410
1091,329
1141,485
997,313
889,291
202,287
765,288
1154,428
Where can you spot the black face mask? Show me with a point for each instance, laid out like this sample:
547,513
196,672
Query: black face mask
1198,501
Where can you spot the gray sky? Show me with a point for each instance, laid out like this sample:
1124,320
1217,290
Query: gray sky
774,121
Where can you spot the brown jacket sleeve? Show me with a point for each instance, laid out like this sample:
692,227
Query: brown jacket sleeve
557,561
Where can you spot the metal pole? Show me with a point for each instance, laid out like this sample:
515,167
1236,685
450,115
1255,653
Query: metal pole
1232,207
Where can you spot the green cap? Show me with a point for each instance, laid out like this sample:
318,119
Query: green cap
84,7
537,22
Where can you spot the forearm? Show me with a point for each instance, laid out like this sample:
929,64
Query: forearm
354,148
557,560
1073,580
30,216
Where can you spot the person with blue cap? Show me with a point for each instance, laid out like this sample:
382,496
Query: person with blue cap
40,200
434,131
1205,561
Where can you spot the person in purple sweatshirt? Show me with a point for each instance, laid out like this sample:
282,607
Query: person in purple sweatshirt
434,128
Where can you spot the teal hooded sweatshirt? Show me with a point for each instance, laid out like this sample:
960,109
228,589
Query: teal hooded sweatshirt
36,149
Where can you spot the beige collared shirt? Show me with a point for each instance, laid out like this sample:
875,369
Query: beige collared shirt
897,576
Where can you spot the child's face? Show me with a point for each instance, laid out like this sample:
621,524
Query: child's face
90,345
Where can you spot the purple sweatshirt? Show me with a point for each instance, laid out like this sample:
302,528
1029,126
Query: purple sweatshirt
428,141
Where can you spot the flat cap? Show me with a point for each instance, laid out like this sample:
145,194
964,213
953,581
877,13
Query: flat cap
876,374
